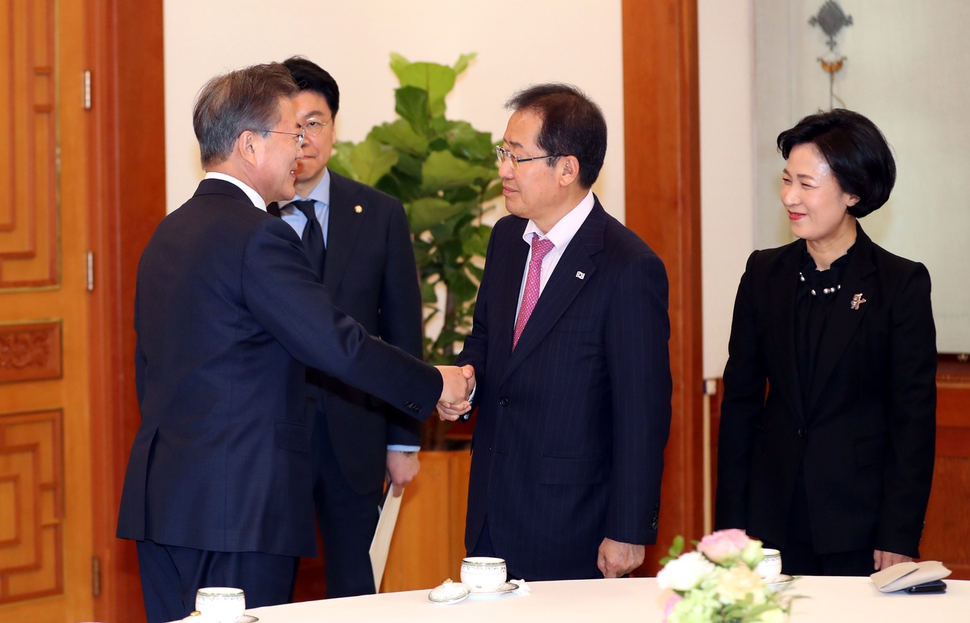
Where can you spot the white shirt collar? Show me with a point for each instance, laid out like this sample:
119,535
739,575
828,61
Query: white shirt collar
252,194
562,232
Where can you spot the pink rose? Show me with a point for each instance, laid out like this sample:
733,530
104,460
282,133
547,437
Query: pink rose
723,546
669,607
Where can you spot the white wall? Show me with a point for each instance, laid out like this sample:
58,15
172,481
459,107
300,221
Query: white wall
518,43
726,76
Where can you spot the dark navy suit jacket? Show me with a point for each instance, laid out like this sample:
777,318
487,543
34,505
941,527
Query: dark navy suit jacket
572,424
371,275
866,438
227,312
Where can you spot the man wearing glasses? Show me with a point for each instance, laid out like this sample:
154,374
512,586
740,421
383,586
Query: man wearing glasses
370,273
228,313
570,345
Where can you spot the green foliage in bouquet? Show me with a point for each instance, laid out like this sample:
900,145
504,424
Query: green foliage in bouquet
443,171
719,582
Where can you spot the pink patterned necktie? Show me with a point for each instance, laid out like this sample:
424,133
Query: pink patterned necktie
540,247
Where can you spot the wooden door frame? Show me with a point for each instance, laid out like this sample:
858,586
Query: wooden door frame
662,135
126,138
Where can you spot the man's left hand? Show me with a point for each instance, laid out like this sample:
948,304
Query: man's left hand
884,560
402,467
617,559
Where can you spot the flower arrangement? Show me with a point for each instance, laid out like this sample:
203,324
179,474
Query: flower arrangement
719,583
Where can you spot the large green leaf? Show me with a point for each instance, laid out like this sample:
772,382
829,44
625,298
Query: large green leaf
462,63
401,136
371,160
427,212
443,170
411,103
340,160
467,142
435,79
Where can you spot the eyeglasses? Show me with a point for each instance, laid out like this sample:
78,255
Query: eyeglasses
299,137
314,126
504,154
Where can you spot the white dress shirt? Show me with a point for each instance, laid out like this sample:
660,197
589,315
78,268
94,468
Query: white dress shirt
560,235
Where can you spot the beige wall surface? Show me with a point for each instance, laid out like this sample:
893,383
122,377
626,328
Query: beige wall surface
518,43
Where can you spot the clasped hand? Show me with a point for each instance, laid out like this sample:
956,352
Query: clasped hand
457,385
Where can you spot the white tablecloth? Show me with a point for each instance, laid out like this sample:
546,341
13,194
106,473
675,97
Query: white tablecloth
638,600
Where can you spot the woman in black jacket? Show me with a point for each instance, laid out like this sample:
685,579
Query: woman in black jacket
828,421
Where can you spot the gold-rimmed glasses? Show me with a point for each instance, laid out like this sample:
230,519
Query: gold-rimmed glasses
314,126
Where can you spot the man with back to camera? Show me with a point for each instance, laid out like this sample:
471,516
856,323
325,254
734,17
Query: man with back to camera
370,273
228,312
569,345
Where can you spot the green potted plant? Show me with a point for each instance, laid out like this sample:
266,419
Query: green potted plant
444,172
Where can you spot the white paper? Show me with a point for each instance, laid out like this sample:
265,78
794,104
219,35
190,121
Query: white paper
381,544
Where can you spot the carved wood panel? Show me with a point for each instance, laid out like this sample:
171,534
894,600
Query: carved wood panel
28,150
30,352
31,505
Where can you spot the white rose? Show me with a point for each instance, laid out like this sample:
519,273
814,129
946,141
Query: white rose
685,573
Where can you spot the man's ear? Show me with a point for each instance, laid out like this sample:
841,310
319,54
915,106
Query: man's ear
249,146
570,170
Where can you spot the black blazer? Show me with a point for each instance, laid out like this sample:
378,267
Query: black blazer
866,442
572,424
371,275
227,312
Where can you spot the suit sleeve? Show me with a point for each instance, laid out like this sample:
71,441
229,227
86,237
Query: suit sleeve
636,335
911,417
475,349
399,320
745,380
283,294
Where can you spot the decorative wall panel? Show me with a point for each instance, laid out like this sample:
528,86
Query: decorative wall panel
28,150
31,505
30,352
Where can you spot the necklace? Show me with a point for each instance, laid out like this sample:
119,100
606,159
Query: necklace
834,288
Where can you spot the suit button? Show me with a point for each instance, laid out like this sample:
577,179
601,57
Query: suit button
801,432
503,401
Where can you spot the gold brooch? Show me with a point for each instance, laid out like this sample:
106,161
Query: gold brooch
857,300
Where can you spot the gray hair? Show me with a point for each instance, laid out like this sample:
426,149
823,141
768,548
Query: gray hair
230,104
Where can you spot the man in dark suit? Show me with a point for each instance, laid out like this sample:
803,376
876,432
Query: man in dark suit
370,273
570,348
228,312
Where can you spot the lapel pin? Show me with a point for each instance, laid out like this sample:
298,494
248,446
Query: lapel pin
358,209
580,274
857,300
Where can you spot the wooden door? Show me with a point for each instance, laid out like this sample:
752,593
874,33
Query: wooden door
45,462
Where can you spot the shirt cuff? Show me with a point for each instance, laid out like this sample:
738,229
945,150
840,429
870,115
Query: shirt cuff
397,447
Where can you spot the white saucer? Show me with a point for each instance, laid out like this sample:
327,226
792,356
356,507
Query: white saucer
505,589
781,581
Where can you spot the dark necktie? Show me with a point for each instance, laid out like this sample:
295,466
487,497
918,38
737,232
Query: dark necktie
312,236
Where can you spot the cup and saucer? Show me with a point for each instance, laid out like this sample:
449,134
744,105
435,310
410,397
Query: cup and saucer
770,570
482,577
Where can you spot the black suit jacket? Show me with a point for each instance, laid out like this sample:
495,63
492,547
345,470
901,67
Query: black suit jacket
227,312
572,424
866,441
371,275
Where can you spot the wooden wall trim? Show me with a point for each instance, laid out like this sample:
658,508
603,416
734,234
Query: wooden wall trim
661,117
127,168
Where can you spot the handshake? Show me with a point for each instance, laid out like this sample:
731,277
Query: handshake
457,386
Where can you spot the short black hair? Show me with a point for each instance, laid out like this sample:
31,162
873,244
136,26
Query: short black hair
572,125
230,104
311,77
854,148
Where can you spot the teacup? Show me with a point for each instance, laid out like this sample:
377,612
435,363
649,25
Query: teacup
770,567
220,603
483,574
